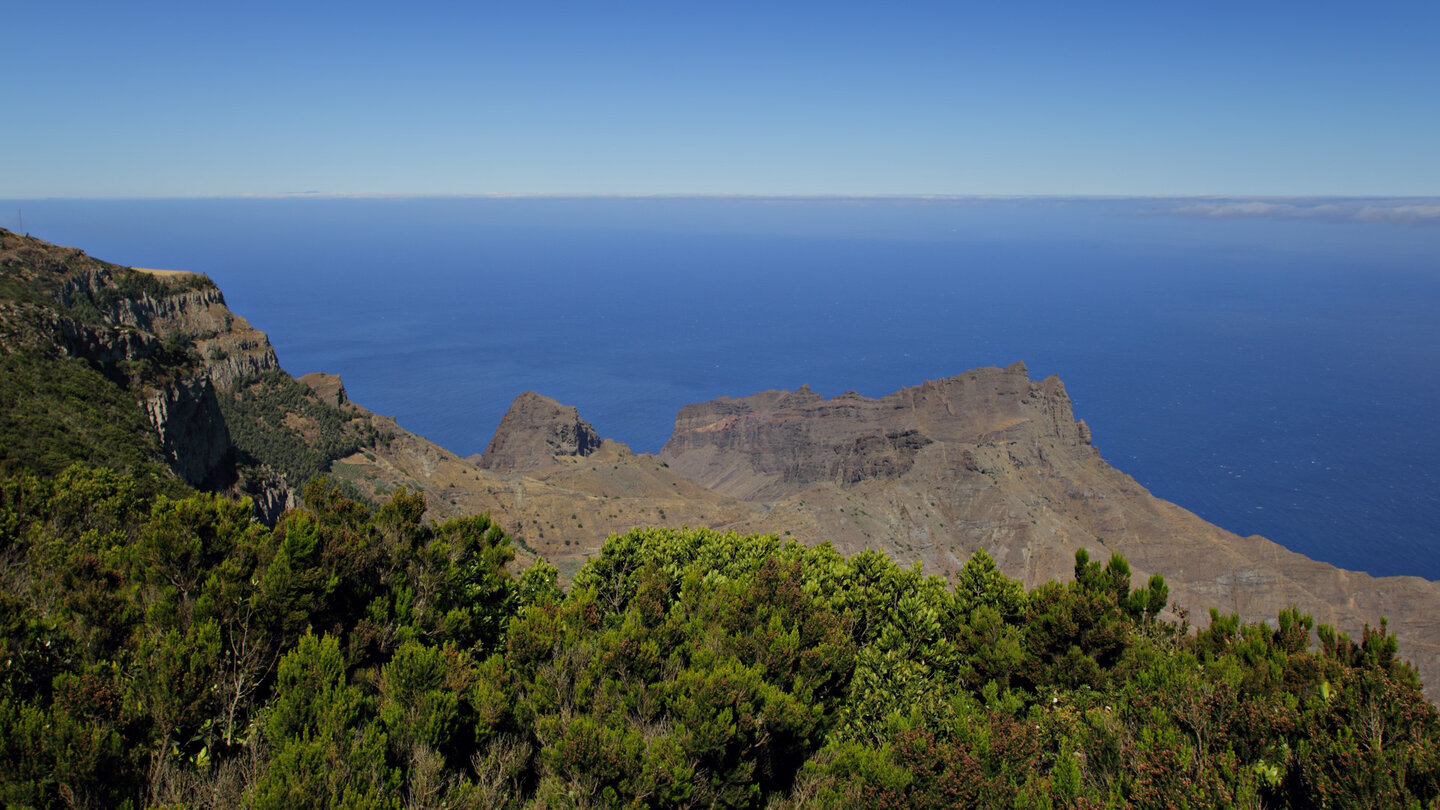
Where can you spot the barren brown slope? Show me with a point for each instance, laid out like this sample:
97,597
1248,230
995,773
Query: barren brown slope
562,506
987,459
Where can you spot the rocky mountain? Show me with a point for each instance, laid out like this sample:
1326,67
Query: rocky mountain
535,431
988,459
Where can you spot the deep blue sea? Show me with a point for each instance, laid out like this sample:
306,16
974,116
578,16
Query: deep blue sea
1274,369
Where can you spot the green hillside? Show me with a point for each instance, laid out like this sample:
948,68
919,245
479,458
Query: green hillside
57,411
64,396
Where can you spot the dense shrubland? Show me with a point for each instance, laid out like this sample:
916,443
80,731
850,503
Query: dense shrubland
275,420
57,411
170,651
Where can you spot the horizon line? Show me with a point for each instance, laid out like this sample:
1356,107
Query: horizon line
340,195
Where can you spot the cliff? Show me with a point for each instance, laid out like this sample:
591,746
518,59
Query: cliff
990,459
167,342
228,346
778,443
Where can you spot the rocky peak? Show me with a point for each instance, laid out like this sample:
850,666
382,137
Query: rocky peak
777,443
535,431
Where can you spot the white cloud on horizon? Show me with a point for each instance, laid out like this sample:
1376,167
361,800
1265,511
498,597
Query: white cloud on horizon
1401,211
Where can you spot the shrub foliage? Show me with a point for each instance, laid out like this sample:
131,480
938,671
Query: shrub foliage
172,652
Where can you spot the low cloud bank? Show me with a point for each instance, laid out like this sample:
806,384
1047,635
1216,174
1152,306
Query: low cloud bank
1408,211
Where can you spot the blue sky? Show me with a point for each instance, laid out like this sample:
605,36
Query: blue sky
1156,98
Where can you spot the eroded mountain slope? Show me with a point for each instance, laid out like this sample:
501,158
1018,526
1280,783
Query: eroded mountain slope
987,459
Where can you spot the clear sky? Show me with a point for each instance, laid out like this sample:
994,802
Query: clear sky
140,99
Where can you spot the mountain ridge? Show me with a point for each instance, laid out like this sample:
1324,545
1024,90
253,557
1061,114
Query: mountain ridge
1023,479
1023,482
987,459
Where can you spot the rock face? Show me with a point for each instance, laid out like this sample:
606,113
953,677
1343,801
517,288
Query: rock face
778,443
228,345
272,497
170,340
534,431
186,308
192,430
185,412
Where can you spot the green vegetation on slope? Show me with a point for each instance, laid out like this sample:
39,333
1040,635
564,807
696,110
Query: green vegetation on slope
175,653
161,648
71,377
57,411
276,420
76,368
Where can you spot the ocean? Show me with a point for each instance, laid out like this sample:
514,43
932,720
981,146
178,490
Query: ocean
1273,366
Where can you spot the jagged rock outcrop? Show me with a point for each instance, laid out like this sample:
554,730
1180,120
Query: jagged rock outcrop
229,347
777,443
184,307
42,331
534,432
270,495
185,413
